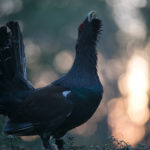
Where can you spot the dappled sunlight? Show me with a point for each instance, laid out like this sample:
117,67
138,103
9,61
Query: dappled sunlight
29,138
63,61
33,52
87,129
128,115
122,127
128,16
44,78
8,7
40,76
138,86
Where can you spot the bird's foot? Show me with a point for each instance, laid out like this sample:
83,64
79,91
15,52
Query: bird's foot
48,149
60,144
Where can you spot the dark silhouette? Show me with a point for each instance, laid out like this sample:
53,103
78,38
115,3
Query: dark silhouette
64,104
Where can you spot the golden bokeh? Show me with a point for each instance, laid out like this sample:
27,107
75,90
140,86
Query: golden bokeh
127,115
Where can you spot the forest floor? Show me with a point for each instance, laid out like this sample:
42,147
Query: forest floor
113,144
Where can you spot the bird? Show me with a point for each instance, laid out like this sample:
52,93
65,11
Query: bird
62,105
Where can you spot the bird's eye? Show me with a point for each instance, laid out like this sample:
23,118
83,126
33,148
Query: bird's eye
80,28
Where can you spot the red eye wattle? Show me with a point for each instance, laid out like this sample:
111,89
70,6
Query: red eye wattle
80,27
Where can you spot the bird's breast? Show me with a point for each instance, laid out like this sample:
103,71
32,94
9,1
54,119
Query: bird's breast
85,101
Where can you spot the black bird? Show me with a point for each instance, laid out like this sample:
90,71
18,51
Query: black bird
59,107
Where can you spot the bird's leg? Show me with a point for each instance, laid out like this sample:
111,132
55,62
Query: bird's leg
60,143
45,140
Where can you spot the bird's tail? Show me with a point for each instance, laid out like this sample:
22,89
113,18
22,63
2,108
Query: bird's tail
13,79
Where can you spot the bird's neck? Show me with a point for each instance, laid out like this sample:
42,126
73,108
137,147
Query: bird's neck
84,70
85,60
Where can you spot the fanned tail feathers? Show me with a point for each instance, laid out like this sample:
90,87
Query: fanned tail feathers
13,79
12,58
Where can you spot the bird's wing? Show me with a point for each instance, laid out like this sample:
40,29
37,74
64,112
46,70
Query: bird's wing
45,104
45,108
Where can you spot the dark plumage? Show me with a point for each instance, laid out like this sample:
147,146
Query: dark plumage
64,104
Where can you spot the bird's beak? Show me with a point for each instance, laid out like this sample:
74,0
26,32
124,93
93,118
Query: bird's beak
91,15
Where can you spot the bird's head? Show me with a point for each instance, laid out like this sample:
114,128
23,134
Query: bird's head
89,29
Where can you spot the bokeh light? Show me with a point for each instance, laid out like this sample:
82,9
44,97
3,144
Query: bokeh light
122,127
8,7
128,17
63,61
138,86
128,115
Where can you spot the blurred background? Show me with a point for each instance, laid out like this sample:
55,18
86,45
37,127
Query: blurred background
50,31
